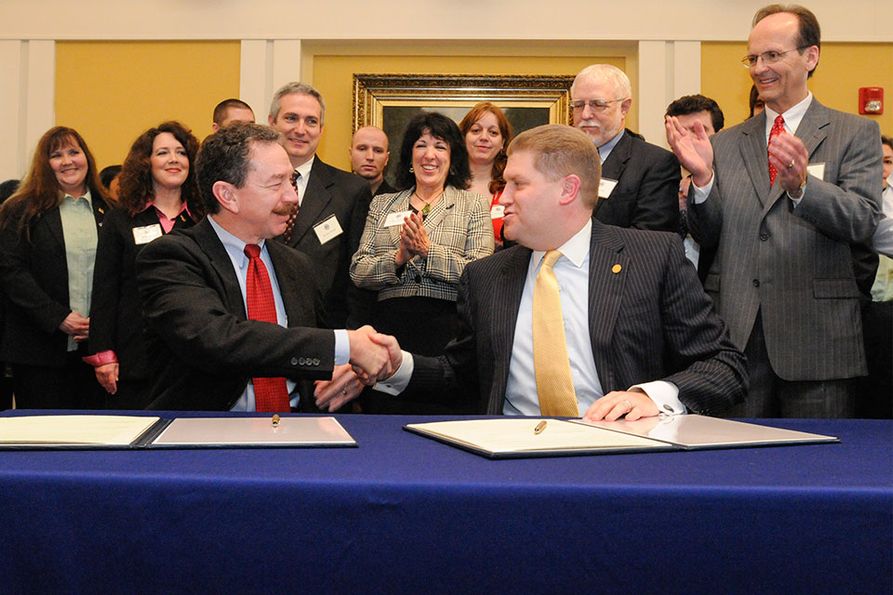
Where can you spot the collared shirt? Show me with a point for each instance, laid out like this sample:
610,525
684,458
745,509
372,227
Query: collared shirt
572,273
304,171
605,149
79,231
167,224
792,119
235,249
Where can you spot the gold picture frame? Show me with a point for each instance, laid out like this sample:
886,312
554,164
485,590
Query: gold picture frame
528,98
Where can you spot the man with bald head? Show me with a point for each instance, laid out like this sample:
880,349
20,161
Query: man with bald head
369,158
783,196
640,181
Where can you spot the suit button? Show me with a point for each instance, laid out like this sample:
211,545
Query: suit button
302,361
756,282
315,361
293,361
764,236
418,278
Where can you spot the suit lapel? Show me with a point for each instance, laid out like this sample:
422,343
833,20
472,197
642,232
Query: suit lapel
608,270
754,156
400,203
289,285
219,259
616,162
316,198
440,210
507,292
812,130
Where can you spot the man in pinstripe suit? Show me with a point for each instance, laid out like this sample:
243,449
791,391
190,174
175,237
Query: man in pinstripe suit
783,276
641,335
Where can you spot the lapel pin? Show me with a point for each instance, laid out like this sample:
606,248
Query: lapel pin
616,269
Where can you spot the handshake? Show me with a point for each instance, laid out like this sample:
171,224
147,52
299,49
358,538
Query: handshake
373,357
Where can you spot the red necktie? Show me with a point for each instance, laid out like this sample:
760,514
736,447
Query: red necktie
777,128
290,225
270,394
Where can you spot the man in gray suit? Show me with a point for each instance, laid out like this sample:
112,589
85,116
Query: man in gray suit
783,276
639,334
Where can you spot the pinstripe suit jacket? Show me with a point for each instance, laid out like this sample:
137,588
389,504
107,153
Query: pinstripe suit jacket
459,231
650,321
793,264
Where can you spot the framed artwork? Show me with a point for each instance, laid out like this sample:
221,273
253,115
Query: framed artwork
389,101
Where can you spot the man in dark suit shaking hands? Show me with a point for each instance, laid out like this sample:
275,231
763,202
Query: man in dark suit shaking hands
581,318
332,204
231,315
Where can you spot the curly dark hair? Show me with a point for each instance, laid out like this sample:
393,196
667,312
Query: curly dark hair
440,127
137,187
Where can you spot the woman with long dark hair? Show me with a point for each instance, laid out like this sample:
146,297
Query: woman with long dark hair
157,195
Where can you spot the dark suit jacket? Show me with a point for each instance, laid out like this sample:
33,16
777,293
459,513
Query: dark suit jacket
651,321
35,282
203,347
646,195
116,321
331,191
793,266
385,188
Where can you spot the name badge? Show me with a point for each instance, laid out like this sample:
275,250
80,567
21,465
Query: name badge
606,187
497,212
396,218
328,229
147,233
817,170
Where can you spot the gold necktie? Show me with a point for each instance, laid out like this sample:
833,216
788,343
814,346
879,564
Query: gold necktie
551,365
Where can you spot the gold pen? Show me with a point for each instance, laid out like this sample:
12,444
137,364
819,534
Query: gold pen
275,420
539,427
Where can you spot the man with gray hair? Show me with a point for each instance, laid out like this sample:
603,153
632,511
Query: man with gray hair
639,180
332,204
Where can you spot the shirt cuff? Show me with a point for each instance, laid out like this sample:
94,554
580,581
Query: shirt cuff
342,347
664,394
399,380
100,359
701,194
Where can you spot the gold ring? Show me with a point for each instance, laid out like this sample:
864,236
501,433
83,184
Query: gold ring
790,165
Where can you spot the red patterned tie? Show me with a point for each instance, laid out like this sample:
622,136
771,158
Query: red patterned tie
270,394
290,225
777,128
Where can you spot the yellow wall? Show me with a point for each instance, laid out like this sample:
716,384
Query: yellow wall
112,91
332,74
843,68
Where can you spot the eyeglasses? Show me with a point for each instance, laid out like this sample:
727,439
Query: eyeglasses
596,105
770,57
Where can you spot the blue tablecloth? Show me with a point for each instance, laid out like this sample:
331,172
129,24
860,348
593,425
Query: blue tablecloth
402,513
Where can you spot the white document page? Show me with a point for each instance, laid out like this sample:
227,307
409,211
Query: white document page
112,430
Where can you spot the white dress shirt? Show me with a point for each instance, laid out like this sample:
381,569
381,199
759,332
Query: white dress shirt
572,273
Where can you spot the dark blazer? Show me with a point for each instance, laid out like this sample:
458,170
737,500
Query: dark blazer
34,277
647,191
795,266
331,191
385,188
650,321
203,347
116,321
